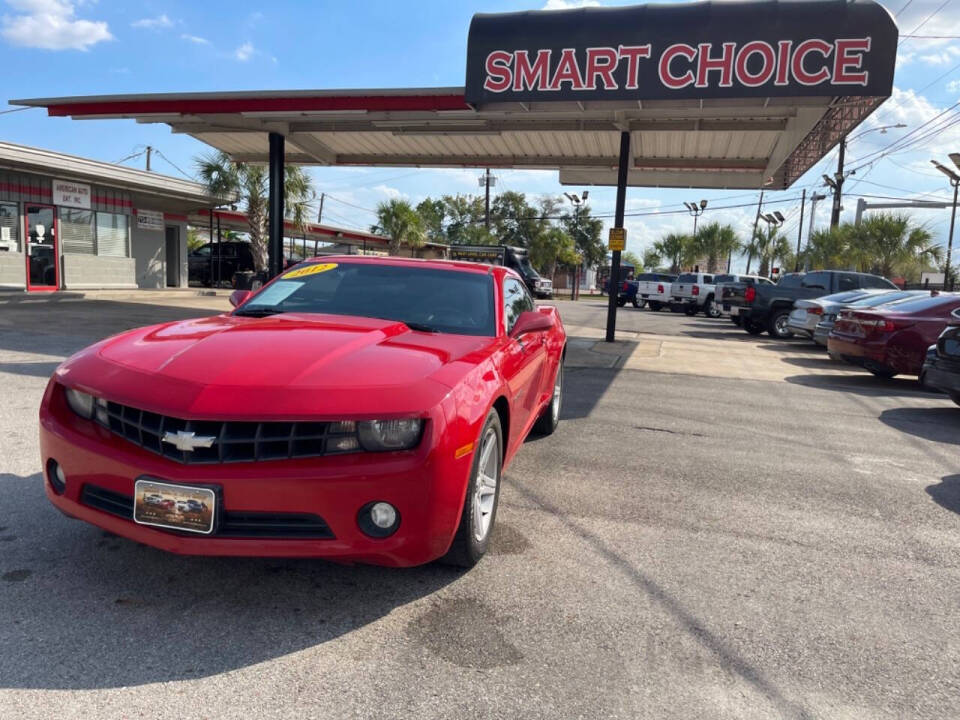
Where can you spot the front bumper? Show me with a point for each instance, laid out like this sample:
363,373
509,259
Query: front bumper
943,376
426,485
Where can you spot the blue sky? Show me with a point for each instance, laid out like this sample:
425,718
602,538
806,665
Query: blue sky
64,47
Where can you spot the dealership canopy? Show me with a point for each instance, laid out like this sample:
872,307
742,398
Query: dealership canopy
709,94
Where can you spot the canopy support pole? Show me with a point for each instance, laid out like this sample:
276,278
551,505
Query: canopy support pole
614,284
275,206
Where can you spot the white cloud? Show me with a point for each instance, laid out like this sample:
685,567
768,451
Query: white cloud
51,25
390,192
947,55
953,86
154,23
569,4
244,52
196,39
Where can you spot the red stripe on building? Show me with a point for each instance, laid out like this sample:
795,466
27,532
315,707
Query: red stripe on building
373,103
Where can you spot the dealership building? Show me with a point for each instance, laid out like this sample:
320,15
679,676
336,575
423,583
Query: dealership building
71,223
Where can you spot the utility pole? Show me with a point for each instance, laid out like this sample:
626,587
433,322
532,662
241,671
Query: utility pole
487,180
149,152
803,200
756,220
837,186
320,211
955,183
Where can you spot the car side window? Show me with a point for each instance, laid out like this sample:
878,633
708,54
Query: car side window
816,280
875,281
708,279
847,282
516,300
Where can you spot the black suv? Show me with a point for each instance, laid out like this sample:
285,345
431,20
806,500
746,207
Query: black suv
233,257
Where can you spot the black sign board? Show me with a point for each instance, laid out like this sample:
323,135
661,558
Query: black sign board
773,48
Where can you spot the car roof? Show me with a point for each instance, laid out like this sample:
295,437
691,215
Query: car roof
454,265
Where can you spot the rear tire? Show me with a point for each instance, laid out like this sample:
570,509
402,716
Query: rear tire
690,312
711,310
778,325
550,417
638,303
754,328
735,319
655,306
481,498
882,372
621,302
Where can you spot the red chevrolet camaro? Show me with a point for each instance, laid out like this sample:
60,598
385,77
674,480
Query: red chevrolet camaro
358,409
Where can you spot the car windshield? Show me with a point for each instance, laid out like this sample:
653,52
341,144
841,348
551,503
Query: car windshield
687,278
427,299
925,302
526,269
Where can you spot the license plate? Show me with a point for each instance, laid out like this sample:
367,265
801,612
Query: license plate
178,507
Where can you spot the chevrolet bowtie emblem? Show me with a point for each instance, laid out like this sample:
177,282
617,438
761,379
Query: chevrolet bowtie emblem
188,441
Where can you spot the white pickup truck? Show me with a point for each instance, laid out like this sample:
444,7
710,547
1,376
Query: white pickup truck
693,293
654,289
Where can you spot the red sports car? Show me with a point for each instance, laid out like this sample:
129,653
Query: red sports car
358,409
893,339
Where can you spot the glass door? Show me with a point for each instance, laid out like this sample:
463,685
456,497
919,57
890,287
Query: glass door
43,270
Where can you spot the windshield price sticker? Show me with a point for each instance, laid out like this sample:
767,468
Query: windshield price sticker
617,239
309,270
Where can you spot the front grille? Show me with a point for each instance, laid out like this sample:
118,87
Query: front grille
268,525
234,441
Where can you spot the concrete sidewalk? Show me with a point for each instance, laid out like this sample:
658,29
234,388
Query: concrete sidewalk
10,297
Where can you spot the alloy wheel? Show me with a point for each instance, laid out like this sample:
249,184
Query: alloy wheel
488,477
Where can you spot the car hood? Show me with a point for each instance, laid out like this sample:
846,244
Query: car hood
277,366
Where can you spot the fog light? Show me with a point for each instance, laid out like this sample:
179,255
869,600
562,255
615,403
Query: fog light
383,514
56,476
378,519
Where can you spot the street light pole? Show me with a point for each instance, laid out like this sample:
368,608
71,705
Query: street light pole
838,186
696,209
803,200
955,183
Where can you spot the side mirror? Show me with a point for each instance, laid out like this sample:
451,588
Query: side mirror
531,321
239,297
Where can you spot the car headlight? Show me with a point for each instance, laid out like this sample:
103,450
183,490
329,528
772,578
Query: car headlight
381,435
80,402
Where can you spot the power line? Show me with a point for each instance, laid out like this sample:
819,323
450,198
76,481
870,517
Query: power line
897,13
19,109
170,162
925,21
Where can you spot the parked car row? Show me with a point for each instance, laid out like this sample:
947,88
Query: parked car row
859,318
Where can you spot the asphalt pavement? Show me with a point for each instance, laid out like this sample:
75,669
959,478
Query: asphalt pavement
769,536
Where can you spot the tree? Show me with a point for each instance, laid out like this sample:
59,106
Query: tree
675,247
886,242
768,245
631,257
464,220
586,232
651,258
716,242
551,247
248,184
827,249
514,220
432,214
400,222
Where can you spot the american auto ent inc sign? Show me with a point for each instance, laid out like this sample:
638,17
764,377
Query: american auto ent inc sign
697,50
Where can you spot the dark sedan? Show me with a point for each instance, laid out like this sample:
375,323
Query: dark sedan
941,371
892,340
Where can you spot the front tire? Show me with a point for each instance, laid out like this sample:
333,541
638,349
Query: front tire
690,312
735,319
778,325
638,303
550,417
481,499
881,371
621,302
654,305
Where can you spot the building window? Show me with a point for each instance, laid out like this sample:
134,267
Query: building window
113,234
9,227
76,231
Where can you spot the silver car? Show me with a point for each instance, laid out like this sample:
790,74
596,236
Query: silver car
808,312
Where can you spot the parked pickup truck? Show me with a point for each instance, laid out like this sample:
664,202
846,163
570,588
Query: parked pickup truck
694,292
767,307
654,290
720,283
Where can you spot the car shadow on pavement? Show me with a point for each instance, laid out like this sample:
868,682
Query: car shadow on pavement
946,493
864,384
85,609
940,424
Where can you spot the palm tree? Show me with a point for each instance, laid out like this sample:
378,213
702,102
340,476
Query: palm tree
248,184
768,245
828,249
398,220
676,247
886,242
715,241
